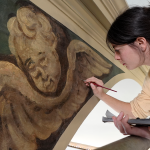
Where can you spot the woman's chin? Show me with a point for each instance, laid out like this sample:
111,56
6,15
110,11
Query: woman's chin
130,68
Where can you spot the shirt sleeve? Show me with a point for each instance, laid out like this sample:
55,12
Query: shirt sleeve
140,106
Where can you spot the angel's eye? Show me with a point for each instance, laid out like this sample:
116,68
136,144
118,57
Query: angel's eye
36,73
31,64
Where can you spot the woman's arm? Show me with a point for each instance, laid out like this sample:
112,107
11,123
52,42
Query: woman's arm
118,105
114,103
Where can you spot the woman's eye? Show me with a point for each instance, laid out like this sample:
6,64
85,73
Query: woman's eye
44,62
117,51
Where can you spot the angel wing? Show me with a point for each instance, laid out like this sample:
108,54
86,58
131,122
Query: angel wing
87,62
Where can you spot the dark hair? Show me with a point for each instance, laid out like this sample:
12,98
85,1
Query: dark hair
133,23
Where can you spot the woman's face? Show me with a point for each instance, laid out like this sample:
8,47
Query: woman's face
128,56
42,63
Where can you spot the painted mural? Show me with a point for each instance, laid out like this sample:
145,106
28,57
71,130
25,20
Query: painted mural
41,71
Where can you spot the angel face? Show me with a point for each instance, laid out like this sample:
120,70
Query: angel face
42,63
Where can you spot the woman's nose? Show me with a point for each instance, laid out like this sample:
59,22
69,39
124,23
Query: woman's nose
117,57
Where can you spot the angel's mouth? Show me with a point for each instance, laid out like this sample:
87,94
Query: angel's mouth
47,82
49,85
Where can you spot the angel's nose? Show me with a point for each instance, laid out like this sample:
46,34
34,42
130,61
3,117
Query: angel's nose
39,72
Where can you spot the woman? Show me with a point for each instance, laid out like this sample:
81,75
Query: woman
129,38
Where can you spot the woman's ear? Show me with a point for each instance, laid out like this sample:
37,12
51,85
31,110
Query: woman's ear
141,42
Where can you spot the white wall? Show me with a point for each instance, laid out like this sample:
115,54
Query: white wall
138,2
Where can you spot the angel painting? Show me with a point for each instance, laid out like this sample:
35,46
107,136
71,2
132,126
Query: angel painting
45,89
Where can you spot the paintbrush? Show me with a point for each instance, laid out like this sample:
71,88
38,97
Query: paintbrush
99,86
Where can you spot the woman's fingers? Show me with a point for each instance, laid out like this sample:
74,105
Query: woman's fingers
120,116
93,79
93,86
98,91
115,120
119,122
125,125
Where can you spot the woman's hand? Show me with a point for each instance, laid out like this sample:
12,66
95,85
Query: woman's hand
98,91
126,129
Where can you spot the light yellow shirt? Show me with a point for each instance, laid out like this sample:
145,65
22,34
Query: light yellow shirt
141,104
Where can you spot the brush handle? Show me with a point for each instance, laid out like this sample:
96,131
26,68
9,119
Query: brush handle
102,86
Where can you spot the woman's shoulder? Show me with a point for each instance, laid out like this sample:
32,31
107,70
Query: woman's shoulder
146,83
